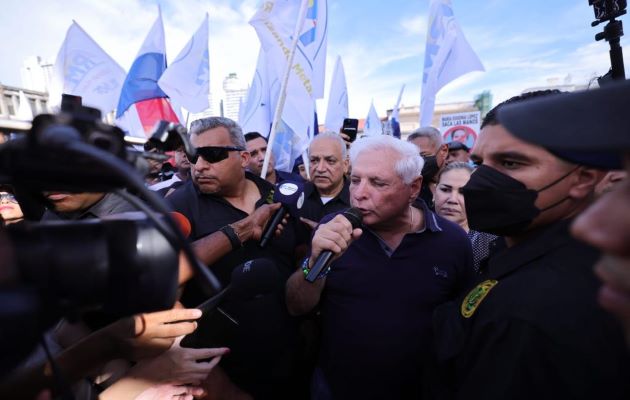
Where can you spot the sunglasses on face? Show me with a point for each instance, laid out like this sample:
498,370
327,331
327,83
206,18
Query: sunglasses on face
8,197
214,154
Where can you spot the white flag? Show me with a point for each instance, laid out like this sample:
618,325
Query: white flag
187,80
373,124
337,109
83,68
262,98
275,22
24,111
447,56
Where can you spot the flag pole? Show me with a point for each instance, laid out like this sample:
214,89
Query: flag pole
307,164
283,89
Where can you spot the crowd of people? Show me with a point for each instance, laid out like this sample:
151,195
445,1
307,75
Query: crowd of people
497,272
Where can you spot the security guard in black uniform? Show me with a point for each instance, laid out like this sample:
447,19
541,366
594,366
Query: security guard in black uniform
531,328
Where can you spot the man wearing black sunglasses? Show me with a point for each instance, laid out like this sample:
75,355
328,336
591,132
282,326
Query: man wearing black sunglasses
220,195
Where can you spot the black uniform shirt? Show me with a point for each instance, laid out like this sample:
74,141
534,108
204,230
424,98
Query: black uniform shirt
538,332
314,209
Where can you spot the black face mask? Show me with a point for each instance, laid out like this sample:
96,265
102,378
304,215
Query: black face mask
499,204
430,168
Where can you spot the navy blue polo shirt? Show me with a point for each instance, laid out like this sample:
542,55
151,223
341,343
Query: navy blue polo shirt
208,213
377,308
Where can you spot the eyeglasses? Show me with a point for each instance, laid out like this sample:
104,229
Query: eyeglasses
214,154
8,197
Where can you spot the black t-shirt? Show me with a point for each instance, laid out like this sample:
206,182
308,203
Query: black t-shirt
208,213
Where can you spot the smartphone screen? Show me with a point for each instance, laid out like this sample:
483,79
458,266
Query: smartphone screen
350,127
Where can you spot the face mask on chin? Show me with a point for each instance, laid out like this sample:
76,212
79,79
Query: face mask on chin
499,204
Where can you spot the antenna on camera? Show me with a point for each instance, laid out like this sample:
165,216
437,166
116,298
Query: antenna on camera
608,10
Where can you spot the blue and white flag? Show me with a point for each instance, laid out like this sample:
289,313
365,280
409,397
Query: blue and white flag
314,40
142,103
394,119
337,109
373,124
447,56
275,22
83,68
187,80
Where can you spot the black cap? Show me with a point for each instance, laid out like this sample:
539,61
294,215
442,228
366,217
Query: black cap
589,127
593,120
456,145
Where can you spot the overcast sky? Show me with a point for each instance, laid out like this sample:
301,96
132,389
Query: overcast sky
522,43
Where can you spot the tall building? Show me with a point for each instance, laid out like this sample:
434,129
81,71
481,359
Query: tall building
235,90
36,74
212,111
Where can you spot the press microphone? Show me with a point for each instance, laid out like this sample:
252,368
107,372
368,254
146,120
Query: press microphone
182,222
254,278
291,195
323,260
228,312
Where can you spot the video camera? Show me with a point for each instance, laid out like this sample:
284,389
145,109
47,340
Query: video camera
121,265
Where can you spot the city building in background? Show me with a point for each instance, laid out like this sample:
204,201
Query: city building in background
36,74
213,111
10,120
235,90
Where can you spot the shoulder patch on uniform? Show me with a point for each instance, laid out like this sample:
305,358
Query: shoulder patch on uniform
475,296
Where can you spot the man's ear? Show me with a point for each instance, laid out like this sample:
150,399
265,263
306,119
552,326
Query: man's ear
584,182
442,154
415,186
245,156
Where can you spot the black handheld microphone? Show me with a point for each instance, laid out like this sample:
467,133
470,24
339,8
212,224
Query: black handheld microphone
291,195
323,260
223,313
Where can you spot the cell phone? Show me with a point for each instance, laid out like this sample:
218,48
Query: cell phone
215,328
350,127
70,102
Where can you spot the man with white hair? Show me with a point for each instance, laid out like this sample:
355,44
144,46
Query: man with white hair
385,280
328,191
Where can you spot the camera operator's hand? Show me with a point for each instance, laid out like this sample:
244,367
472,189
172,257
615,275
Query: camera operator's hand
335,236
140,388
150,334
168,392
179,365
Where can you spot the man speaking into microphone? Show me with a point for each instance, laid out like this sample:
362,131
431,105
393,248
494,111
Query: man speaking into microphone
378,294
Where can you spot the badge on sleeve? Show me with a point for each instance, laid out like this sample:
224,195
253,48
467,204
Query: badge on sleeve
475,296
